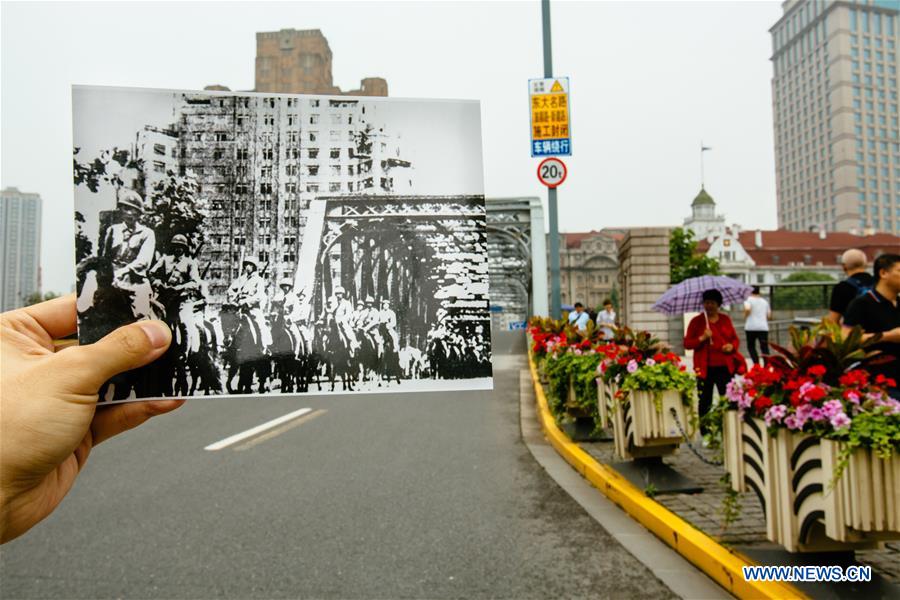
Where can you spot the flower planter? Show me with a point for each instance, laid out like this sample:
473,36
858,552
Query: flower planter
640,431
790,474
656,426
605,394
864,503
580,425
574,409
747,447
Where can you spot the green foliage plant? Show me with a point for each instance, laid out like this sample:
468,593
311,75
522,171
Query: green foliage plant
684,259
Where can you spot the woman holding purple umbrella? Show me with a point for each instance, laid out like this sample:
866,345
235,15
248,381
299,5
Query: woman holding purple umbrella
712,337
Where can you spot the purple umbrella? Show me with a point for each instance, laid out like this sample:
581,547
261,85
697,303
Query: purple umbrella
687,296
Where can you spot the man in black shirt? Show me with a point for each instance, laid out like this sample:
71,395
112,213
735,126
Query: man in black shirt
878,311
858,282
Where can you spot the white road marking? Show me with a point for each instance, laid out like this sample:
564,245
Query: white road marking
279,430
234,439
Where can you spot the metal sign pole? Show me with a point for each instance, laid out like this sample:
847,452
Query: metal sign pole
555,303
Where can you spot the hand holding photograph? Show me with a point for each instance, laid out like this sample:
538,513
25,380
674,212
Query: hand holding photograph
294,244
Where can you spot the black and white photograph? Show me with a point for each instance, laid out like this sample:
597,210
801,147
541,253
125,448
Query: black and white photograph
294,244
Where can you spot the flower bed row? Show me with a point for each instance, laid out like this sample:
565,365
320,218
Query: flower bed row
629,382
811,432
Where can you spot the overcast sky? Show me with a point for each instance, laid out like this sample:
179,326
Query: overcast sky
649,80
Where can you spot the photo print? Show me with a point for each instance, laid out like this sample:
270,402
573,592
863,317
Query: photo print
294,244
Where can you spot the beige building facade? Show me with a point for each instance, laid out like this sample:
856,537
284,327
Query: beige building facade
294,61
835,106
588,265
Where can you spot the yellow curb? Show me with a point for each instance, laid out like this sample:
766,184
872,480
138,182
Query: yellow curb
720,563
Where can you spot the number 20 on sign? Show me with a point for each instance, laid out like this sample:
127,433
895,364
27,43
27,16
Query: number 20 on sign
552,172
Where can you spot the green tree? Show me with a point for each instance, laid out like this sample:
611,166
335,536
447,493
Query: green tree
37,297
614,296
684,260
807,297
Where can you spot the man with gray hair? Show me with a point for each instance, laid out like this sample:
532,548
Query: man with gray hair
858,282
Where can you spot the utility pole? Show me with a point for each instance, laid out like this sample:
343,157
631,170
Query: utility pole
555,303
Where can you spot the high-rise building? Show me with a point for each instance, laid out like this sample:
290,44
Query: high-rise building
299,62
20,246
837,146
259,161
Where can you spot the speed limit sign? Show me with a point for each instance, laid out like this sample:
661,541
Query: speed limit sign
552,172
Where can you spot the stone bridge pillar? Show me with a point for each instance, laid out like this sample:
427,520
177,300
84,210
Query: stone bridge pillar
643,278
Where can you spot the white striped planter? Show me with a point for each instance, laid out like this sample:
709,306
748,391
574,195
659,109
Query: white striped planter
864,503
790,474
605,395
639,430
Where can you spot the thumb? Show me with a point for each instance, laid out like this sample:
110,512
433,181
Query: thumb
90,366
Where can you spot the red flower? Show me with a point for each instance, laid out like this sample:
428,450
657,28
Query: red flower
659,357
885,381
762,403
816,371
854,378
815,394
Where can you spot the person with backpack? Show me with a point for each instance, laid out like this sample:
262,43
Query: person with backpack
878,312
858,283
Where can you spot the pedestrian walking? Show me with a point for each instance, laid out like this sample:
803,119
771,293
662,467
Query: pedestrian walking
606,319
579,317
857,283
878,311
715,343
756,324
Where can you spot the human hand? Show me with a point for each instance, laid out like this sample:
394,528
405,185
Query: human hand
49,419
727,348
707,334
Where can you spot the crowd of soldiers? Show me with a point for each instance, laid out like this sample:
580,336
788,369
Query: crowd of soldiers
250,334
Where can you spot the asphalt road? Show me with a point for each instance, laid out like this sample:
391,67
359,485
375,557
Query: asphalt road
389,496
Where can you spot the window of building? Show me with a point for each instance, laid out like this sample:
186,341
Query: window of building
334,152
159,167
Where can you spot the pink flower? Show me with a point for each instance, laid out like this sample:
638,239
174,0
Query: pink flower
775,414
840,420
577,352
791,422
817,414
632,366
734,391
892,406
832,407
649,362
852,396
